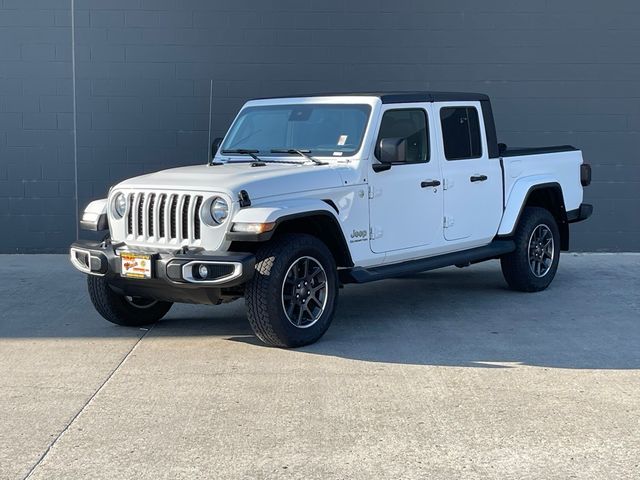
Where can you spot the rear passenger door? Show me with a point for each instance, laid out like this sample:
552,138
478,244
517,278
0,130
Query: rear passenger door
472,181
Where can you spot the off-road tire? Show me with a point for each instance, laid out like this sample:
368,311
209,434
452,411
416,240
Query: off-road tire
515,265
117,309
263,294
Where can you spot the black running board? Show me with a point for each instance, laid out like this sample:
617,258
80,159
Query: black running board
365,275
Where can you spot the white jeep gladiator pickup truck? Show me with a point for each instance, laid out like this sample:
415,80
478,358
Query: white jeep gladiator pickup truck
306,194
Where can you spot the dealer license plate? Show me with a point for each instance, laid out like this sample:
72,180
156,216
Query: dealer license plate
135,265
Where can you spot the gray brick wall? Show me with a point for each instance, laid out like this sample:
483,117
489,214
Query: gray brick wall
558,72
37,207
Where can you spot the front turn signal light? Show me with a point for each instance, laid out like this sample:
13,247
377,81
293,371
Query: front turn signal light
253,227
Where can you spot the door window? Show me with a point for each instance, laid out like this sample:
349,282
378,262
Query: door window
460,133
411,125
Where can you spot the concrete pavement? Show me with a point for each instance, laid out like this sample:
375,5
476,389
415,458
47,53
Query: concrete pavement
445,375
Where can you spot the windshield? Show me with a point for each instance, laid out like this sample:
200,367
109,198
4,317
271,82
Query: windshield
319,129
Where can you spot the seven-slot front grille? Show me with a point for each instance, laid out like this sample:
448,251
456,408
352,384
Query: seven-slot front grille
164,217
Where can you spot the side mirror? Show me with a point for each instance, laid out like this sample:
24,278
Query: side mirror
215,146
502,147
390,151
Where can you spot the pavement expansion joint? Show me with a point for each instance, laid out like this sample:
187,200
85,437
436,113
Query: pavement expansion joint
87,403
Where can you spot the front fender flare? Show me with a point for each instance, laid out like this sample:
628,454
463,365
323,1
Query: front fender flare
277,213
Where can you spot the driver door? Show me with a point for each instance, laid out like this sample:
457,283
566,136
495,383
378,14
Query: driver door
405,201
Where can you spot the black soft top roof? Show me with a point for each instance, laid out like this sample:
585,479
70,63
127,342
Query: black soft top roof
401,97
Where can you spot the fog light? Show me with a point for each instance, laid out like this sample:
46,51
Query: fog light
203,271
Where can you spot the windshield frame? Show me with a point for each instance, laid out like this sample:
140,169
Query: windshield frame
369,105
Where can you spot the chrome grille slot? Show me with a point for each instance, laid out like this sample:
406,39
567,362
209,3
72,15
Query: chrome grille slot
185,217
140,216
150,213
174,210
130,216
196,218
161,210
164,218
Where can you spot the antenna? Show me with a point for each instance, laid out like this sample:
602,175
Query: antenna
210,109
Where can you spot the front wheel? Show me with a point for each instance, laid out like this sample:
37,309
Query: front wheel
293,293
533,264
122,309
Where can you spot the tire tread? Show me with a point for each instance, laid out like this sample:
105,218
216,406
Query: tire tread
515,266
112,307
257,293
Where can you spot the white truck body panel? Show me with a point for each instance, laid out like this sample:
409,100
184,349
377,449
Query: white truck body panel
268,181
521,173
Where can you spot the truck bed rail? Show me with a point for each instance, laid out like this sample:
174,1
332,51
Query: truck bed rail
519,151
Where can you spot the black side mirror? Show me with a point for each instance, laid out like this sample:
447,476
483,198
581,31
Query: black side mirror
390,151
215,146
381,167
502,147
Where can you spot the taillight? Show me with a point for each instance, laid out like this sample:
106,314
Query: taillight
585,174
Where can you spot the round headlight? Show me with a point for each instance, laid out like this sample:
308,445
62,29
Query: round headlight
219,210
119,205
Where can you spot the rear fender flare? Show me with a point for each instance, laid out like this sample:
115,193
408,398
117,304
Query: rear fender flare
518,197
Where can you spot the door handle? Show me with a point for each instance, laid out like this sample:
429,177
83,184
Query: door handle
478,178
430,183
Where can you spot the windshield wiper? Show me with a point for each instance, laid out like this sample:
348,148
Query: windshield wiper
302,153
244,151
252,153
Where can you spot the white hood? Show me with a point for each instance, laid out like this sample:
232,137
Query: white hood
272,179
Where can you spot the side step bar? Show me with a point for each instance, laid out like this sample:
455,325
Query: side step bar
365,275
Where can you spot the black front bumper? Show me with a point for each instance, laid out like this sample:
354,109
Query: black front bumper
174,276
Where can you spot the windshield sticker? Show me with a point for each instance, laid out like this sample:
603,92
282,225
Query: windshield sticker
337,154
342,139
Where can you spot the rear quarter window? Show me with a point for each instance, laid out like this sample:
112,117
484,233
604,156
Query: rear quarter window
460,133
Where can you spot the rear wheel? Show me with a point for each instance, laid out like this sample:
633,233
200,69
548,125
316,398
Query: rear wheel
533,264
121,309
293,293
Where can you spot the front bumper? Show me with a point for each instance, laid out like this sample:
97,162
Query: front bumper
174,276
